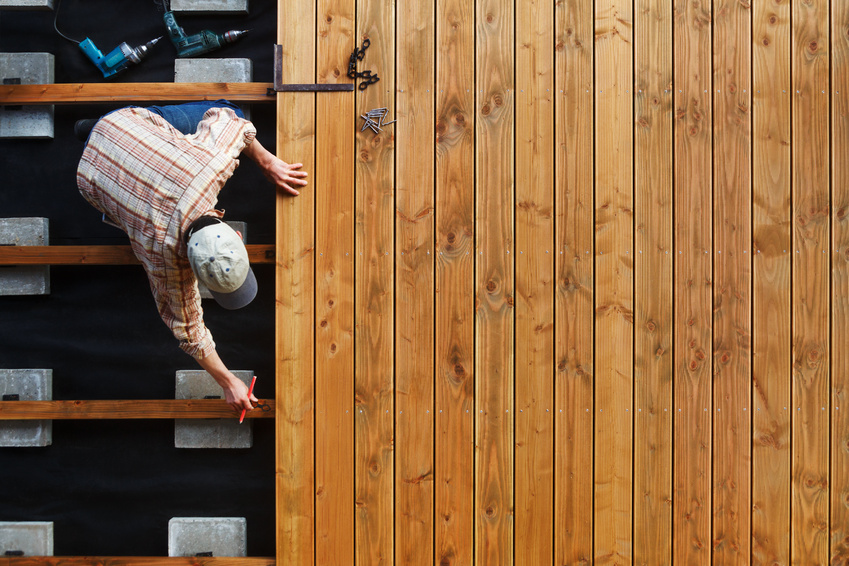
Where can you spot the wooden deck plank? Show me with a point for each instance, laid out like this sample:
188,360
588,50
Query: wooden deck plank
99,255
414,268
839,409
771,284
494,282
692,284
126,409
60,93
334,295
653,260
375,290
295,297
574,305
534,446
455,301
810,276
732,282
614,300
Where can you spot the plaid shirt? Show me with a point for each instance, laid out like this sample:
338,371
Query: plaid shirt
152,182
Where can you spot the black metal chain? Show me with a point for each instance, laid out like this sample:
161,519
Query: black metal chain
366,78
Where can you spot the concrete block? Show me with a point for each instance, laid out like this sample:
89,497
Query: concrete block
32,538
239,227
209,433
206,6
222,536
215,71
30,122
26,4
29,385
25,279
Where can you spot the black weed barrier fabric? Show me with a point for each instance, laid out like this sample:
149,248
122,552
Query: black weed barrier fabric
110,487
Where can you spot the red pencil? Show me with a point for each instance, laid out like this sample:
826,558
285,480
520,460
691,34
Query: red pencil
250,391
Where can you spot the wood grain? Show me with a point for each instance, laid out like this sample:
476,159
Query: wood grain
614,294
334,291
732,282
771,283
375,291
494,283
414,268
810,275
99,255
134,92
455,301
692,284
574,306
295,297
653,257
534,451
839,488
127,409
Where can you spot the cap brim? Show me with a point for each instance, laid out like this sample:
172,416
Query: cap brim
240,297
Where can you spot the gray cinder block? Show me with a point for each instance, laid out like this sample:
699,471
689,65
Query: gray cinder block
215,71
223,536
239,227
26,4
29,385
203,6
33,538
25,279
31,122
209,433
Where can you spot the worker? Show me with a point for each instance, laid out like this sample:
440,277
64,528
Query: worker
155,173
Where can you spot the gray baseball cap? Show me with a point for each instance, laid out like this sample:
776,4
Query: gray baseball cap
220,261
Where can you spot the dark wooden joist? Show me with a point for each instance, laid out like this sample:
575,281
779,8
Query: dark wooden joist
134,561
125,409
98,255
64,93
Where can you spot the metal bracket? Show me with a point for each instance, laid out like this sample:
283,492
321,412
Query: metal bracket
309,87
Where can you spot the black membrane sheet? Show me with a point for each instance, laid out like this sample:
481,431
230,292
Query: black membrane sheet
110,487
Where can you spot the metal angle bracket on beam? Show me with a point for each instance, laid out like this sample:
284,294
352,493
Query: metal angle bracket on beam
309,87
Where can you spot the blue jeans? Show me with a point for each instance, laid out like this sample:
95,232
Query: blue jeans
186,117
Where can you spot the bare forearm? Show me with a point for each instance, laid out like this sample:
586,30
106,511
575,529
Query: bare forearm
282,174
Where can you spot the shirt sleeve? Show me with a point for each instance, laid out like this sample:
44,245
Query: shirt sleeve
179,303
221,129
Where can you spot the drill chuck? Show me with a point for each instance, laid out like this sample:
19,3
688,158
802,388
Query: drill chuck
140,52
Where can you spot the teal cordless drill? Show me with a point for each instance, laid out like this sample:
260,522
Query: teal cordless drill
118,59
199,43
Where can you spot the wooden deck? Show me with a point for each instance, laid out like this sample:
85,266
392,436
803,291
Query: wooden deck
584,302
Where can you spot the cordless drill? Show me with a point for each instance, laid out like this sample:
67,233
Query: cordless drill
199,43
118,59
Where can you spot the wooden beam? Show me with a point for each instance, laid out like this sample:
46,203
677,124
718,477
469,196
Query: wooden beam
134,561
134,92
129,409
98,255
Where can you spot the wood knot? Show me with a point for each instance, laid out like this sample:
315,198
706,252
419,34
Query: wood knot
333,348
441,127
486,110
323,324
329,19
812,47
773,19
651,326
491,286
659,352
451,237
561,365
336,73
459,119
490,18
459,370
498,99
490,512
330,303
765,42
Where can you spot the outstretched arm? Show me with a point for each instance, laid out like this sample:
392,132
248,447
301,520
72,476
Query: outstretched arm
235,390
282,174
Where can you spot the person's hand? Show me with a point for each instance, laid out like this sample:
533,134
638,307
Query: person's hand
285,176
236,395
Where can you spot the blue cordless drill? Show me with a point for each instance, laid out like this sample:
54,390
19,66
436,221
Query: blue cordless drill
199,43
118,59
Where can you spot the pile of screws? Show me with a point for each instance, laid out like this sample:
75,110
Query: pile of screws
374,119
366,78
